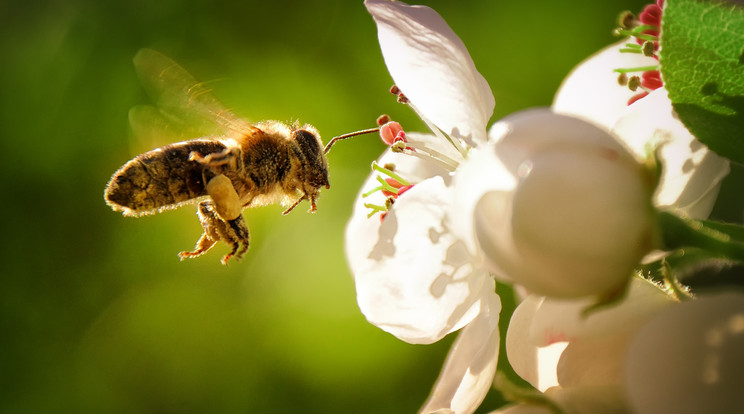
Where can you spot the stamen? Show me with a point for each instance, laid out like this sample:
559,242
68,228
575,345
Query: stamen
638,69
649,49
455,142
646,30
389,173
626,20
446,162
622,79
634,82
375,209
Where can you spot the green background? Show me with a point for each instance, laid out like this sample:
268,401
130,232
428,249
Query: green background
97,314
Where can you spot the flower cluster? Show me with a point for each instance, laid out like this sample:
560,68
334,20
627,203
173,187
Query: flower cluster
560,202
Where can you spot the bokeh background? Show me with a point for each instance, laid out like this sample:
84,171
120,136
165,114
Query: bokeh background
97,314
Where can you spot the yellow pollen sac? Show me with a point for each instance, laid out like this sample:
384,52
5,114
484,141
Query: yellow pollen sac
225,197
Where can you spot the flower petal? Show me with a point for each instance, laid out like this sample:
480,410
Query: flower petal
433,69
591,90
535,364
417,280
691,173
480,173
471,364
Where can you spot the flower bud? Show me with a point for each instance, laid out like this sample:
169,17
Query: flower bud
580,216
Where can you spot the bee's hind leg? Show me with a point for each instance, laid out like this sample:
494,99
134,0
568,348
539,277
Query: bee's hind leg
233,232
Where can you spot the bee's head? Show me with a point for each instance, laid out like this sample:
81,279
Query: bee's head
309,143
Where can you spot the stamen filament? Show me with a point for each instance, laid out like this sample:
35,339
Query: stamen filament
396,177
637,33
434,154
372,191
375,209
438,132
386,186
442,163
638,69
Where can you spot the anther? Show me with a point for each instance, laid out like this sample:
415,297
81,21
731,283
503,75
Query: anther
389,131
649,49
383,119
634,82
626,20
395,90
622,79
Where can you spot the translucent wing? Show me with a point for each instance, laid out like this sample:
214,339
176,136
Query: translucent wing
185,108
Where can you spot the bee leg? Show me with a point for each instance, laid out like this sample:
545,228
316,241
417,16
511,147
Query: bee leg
296,203
233,232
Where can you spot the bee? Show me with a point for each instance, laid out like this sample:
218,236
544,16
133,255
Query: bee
240,165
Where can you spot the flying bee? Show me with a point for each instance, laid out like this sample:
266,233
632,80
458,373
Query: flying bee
240,165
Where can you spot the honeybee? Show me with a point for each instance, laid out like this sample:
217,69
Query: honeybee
242,165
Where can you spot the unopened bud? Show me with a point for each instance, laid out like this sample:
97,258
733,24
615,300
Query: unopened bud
578,220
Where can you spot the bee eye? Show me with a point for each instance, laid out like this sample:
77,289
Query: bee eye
308,143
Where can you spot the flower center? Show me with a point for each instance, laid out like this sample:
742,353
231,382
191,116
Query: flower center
645,29
392,185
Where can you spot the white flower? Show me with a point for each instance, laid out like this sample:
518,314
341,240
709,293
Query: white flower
414,277
424,270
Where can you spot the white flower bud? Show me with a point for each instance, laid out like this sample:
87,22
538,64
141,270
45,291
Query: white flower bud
689,358
580,217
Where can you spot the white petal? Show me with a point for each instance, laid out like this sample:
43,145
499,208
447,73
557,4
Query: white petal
591,91
433,69
691,173
417,281
535,364
362,233
480,173
471,364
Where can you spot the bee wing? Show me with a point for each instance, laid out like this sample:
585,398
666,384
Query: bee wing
185,107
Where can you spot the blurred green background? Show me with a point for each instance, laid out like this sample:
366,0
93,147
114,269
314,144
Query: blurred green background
96,311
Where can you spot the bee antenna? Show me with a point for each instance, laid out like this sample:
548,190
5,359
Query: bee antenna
349,135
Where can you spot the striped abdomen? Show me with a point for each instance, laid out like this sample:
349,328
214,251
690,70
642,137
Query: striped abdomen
160,179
